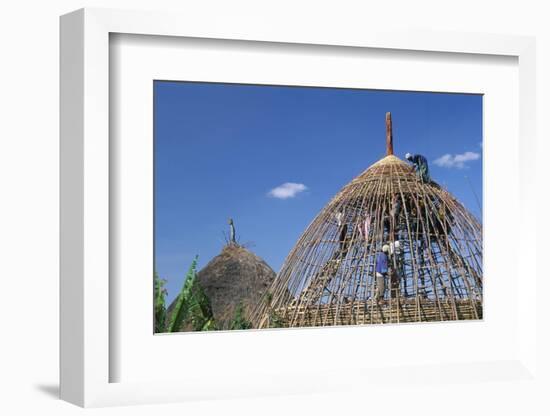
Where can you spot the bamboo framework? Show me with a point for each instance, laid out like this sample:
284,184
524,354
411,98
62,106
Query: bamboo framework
435,271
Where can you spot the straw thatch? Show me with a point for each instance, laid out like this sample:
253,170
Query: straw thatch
328,277
235,276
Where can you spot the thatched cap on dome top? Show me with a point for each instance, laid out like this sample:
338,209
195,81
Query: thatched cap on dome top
388,167
390,164
390,160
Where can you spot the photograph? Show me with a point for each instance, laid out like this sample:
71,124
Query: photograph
288,207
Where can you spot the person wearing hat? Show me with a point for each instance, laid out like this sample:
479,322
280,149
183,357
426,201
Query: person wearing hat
420,166
381,271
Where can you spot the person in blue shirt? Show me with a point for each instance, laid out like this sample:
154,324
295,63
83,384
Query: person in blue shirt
420,166
381,271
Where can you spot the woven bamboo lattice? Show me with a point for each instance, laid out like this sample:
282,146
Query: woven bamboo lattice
329,278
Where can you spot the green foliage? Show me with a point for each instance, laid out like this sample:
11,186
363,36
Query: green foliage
200,312
160,303
184,299
209,325
268,297
275,321
239,321
192,309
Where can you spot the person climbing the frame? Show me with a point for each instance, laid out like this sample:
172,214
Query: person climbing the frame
420,166
364,227
395,268
381,269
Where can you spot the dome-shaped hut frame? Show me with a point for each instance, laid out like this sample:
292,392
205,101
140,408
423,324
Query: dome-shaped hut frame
435,255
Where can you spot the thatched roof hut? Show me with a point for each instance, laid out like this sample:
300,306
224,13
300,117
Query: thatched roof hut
434,246
235,276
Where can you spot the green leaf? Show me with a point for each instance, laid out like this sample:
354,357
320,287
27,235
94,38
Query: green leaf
160,304
184,300
239,321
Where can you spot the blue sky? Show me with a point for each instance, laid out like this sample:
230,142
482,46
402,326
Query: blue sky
227,150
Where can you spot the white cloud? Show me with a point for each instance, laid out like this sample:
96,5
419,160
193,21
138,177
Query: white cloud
456,161
287,190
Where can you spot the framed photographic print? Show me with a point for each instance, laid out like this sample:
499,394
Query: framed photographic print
287,208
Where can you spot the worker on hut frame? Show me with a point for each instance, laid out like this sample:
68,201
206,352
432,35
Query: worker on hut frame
420,164
395,270
381,272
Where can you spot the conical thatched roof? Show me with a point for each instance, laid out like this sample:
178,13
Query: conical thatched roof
329,278
235,276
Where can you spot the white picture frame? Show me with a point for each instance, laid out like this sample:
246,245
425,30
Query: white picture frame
87,356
